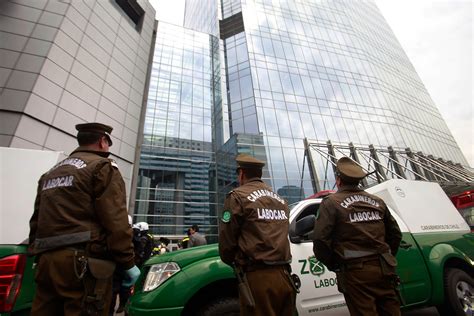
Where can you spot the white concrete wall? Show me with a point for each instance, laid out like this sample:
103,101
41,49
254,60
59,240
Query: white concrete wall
69,62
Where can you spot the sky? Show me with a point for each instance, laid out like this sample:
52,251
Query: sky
437,36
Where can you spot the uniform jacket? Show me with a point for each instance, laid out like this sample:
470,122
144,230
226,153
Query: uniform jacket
257,231
82,200
352,223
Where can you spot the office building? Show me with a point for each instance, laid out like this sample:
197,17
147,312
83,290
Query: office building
69,62
271,76
176,179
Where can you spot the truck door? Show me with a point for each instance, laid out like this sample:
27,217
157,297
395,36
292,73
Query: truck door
416,283
318,293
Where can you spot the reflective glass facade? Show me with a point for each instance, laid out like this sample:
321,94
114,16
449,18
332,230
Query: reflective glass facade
326,70
290,71
175,182
202,16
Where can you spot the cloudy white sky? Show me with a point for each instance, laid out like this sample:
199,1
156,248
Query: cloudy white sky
437,36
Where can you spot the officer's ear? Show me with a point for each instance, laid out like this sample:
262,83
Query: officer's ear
240,174
104,142
338,181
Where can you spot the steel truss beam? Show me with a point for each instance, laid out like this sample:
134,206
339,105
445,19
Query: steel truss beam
385,163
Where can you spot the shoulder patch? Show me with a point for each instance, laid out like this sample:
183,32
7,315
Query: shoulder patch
226,215
113,163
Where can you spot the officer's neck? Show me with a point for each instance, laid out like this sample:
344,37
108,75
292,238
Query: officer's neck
246,180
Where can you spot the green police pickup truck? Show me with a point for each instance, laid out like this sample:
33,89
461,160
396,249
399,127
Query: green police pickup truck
436,263
16,280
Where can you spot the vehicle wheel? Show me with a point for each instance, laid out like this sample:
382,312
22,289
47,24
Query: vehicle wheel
228,306
459,294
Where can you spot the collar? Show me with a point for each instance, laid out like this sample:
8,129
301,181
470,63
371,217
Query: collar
84,149
254,179
351,188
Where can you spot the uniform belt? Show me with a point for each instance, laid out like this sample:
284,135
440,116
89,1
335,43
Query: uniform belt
263,266
79,249
60,241
67,250
363,259
358,263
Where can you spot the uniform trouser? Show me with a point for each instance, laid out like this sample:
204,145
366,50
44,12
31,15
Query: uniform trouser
58,289
367,291
272,291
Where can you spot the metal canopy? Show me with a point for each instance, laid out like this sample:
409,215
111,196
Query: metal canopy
386,163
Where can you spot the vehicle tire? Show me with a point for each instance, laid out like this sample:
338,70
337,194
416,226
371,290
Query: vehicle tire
458,294
228,306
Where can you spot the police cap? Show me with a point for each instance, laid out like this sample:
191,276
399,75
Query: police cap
245,161
348,170
98,128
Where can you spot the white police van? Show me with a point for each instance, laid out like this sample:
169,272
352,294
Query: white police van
435,263
435,259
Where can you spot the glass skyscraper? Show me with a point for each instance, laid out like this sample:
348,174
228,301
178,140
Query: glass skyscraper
176,179
261,77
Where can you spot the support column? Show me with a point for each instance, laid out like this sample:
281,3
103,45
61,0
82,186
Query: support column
381,176
396,165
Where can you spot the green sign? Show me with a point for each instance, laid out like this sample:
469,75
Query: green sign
315,267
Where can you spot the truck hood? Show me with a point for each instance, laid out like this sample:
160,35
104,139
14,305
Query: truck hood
187,256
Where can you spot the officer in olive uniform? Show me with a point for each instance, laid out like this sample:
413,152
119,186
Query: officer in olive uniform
356,236
79,230
253,238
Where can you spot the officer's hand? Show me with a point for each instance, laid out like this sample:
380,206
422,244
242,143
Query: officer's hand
131,276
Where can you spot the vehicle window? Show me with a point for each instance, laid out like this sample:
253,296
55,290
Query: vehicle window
309,210
468,214
291,206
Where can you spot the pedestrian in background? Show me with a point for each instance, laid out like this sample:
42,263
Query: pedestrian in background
253,238
356,236
195,238
79,229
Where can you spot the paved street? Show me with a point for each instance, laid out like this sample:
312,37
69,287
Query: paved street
431,311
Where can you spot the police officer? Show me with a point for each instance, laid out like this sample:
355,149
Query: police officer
253,237
143,243
356,236
79,230
183,244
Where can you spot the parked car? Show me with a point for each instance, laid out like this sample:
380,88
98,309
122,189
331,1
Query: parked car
16,280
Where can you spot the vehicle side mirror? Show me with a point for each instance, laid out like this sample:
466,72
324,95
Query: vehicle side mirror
305,225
